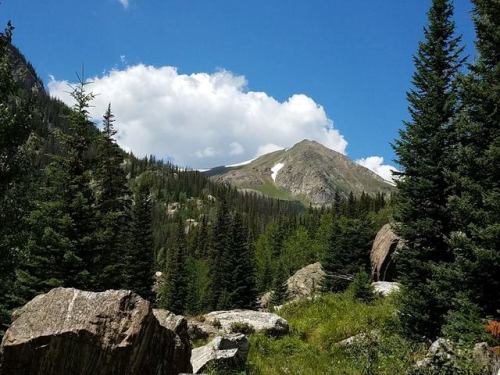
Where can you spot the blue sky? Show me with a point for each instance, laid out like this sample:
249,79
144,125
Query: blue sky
354,58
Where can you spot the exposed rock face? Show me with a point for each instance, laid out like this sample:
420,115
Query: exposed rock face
305,281
307,171
68,331
385,244
260,321
229,352
23,72
177,324
385,288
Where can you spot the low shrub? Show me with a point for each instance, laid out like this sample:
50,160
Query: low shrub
241,327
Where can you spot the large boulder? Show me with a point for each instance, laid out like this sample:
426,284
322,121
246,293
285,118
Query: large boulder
305,281
381,256
258,321
229,351
302,284
69,331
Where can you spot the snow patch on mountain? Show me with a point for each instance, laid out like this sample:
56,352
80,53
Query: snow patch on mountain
240,164
275,170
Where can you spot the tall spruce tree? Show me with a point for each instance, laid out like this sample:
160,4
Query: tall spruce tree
113,209
243,290
60,249
423,150
139,259
279,292
219,255
174,291
475,202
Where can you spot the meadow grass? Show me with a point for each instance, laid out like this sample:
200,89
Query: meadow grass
317,326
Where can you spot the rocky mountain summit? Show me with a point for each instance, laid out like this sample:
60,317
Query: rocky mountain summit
308,171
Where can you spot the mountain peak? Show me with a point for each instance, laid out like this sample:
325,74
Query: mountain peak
308,171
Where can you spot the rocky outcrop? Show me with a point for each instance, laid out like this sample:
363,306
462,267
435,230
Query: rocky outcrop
443,352
68,331
259,321
177,324
305,281
384,246
226,352
384,288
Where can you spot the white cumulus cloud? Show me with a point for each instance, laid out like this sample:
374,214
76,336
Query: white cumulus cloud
202,120
376,164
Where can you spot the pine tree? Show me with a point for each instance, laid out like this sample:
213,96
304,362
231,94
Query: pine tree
60,249
423,151
113,210
139,260
337,204
173,293
78,198
279,292
475,202
219,255
243,290
348,252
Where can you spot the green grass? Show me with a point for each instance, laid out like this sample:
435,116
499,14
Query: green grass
316,327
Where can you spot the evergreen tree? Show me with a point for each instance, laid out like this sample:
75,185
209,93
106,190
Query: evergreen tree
349,250
174,290
475,202
279,293
113,210
337,204
423,151
243,291
78,198
361,287
61,245
139,259
219,255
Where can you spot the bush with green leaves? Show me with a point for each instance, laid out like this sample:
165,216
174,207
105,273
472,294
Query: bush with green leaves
361,287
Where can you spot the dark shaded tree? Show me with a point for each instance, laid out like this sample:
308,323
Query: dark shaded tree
174,290
139,258
243,289
113,216
348,252
475,177
423,150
